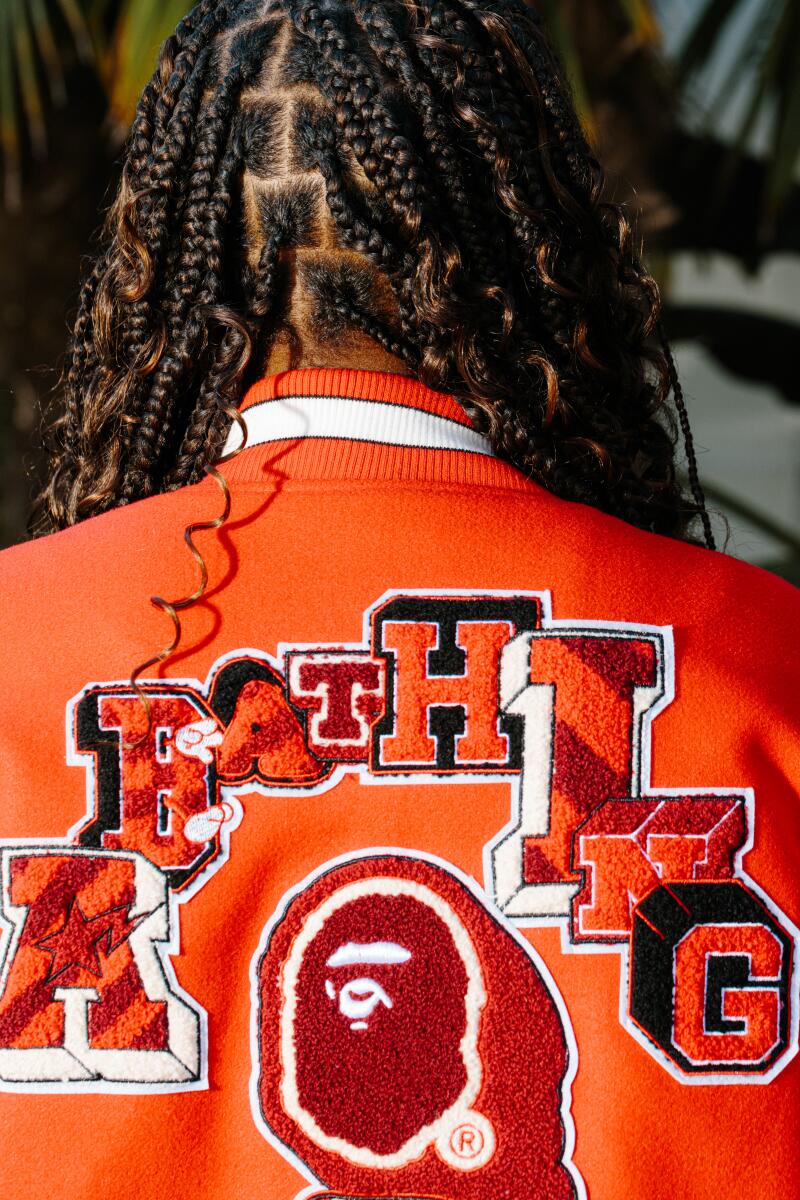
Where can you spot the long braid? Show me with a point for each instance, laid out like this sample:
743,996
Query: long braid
201,265
688,440
143,331
218,390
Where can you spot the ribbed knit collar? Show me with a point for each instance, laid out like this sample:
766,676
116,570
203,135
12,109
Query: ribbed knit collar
367,425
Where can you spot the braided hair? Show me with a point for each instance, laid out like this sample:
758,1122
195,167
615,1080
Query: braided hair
408,170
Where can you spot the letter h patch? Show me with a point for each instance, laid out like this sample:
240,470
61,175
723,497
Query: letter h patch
443,656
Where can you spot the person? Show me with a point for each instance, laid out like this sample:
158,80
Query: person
449,676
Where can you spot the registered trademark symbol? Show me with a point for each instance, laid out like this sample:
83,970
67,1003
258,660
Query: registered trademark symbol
467,1141
470,1144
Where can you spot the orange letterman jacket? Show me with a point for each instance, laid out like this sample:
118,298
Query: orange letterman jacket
458,860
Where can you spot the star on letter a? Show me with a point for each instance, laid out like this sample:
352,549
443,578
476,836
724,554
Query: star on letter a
74,945
79,941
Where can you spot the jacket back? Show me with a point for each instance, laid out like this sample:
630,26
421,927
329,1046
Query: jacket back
453,854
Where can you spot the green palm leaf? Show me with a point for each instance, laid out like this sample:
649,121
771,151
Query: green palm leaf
769,59
75,15
48,51
781,175
141,28
31,69
640,28
29,86
704,37
643,21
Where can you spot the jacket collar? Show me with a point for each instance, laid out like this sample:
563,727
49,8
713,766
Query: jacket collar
348,424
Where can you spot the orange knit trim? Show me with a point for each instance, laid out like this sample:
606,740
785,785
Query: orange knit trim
337,459
356,385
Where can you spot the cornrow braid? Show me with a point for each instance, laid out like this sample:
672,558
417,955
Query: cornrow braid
216,400
408,172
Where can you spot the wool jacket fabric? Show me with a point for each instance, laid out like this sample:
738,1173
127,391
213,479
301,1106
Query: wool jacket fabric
453,855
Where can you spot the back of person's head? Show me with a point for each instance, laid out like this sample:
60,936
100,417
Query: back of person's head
305,177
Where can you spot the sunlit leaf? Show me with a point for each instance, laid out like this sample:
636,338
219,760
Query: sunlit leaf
142,27
31,60
763,83
767,63
48,50
75,17
564,42
781,175
30,90
643,21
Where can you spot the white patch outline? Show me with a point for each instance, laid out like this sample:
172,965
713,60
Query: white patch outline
170,689
480,896
643,715
611,937
277,663
163,951
544,599
494,769
232,793
404,775
709,1078
330,656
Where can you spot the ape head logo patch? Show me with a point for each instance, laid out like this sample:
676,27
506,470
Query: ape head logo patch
406,1042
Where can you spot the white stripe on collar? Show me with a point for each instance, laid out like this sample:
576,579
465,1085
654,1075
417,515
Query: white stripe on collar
345,419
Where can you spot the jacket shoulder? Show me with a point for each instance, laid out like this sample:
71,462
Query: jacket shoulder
94,558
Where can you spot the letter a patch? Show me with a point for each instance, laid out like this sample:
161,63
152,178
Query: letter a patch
86,1000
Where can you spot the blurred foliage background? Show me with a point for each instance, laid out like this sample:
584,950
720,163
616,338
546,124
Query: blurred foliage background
693,106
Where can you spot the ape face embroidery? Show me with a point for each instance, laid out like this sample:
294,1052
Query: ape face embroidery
407,1042
351,1006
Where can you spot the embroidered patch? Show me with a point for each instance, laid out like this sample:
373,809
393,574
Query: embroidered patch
710,973
87,999
463,687
592,847
407,1042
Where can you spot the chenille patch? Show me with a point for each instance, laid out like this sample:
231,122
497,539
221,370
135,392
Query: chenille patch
88,1002
710,975
406,1041
438,687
